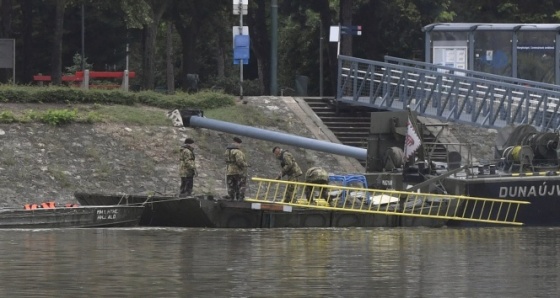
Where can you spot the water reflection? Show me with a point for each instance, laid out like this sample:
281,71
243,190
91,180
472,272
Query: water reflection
399,262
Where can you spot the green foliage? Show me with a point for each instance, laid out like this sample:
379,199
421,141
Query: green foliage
230,85
243,114
104,105
389,27
7,117
77,60
136,13
64,95
29,116
59,117
132,115
201,100
91,117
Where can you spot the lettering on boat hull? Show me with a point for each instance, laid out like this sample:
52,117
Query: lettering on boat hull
107,214
529,191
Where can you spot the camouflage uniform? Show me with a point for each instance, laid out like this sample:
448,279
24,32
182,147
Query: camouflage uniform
187,169
316,175
236,172
291,169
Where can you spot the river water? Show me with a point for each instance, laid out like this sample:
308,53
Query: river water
355,262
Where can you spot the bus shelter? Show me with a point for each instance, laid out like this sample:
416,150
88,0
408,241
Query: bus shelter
525,51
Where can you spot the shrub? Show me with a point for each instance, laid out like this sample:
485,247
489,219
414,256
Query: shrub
230,85
58,117
7,117
65,95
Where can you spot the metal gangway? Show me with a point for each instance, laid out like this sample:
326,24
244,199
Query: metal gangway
387,202
447,93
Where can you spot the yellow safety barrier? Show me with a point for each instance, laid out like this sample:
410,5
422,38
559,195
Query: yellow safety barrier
388,202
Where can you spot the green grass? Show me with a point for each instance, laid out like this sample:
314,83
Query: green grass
132,115
73,105
128,115
242,114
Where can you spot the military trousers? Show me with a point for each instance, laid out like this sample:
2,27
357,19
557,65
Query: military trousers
186,186
236,185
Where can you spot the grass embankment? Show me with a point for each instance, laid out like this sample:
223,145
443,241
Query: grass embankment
63,105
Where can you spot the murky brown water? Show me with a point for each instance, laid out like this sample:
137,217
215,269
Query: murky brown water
415,262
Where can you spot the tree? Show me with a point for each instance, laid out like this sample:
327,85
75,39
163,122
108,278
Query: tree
205,31
169,59
27,40
56,54
260,41
6,24
157,8
346,20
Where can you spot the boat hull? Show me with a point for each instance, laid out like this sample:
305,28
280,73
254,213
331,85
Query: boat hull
71,217
543,193
205,211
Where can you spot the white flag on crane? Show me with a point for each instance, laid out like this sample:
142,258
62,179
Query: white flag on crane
411,141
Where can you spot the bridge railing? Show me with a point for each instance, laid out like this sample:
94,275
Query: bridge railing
449,96
471,73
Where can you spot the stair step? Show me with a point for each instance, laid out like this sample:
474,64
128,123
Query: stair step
351,124
354,137
348,130
361,125
355,142
344,119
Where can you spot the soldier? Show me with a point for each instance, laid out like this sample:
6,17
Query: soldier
187,169
236,170
290,168
316,175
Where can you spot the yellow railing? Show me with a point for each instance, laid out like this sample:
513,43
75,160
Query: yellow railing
388,202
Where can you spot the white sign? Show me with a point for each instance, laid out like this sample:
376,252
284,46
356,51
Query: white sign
451,56
334,34
244,4
7,53
489,55
235,31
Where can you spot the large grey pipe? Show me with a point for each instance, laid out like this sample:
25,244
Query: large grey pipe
267,135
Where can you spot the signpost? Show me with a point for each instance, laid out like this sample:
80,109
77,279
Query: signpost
336,31
8,56
241,41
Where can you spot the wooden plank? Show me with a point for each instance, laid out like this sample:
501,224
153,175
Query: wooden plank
106,74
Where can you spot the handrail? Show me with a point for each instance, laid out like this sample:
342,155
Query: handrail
448,96
471,73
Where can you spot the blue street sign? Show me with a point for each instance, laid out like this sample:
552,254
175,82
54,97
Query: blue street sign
352,30
241,53
241,50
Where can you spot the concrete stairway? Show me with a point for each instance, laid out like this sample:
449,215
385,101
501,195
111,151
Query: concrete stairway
350,124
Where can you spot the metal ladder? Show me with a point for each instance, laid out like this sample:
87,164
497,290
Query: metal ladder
388,202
